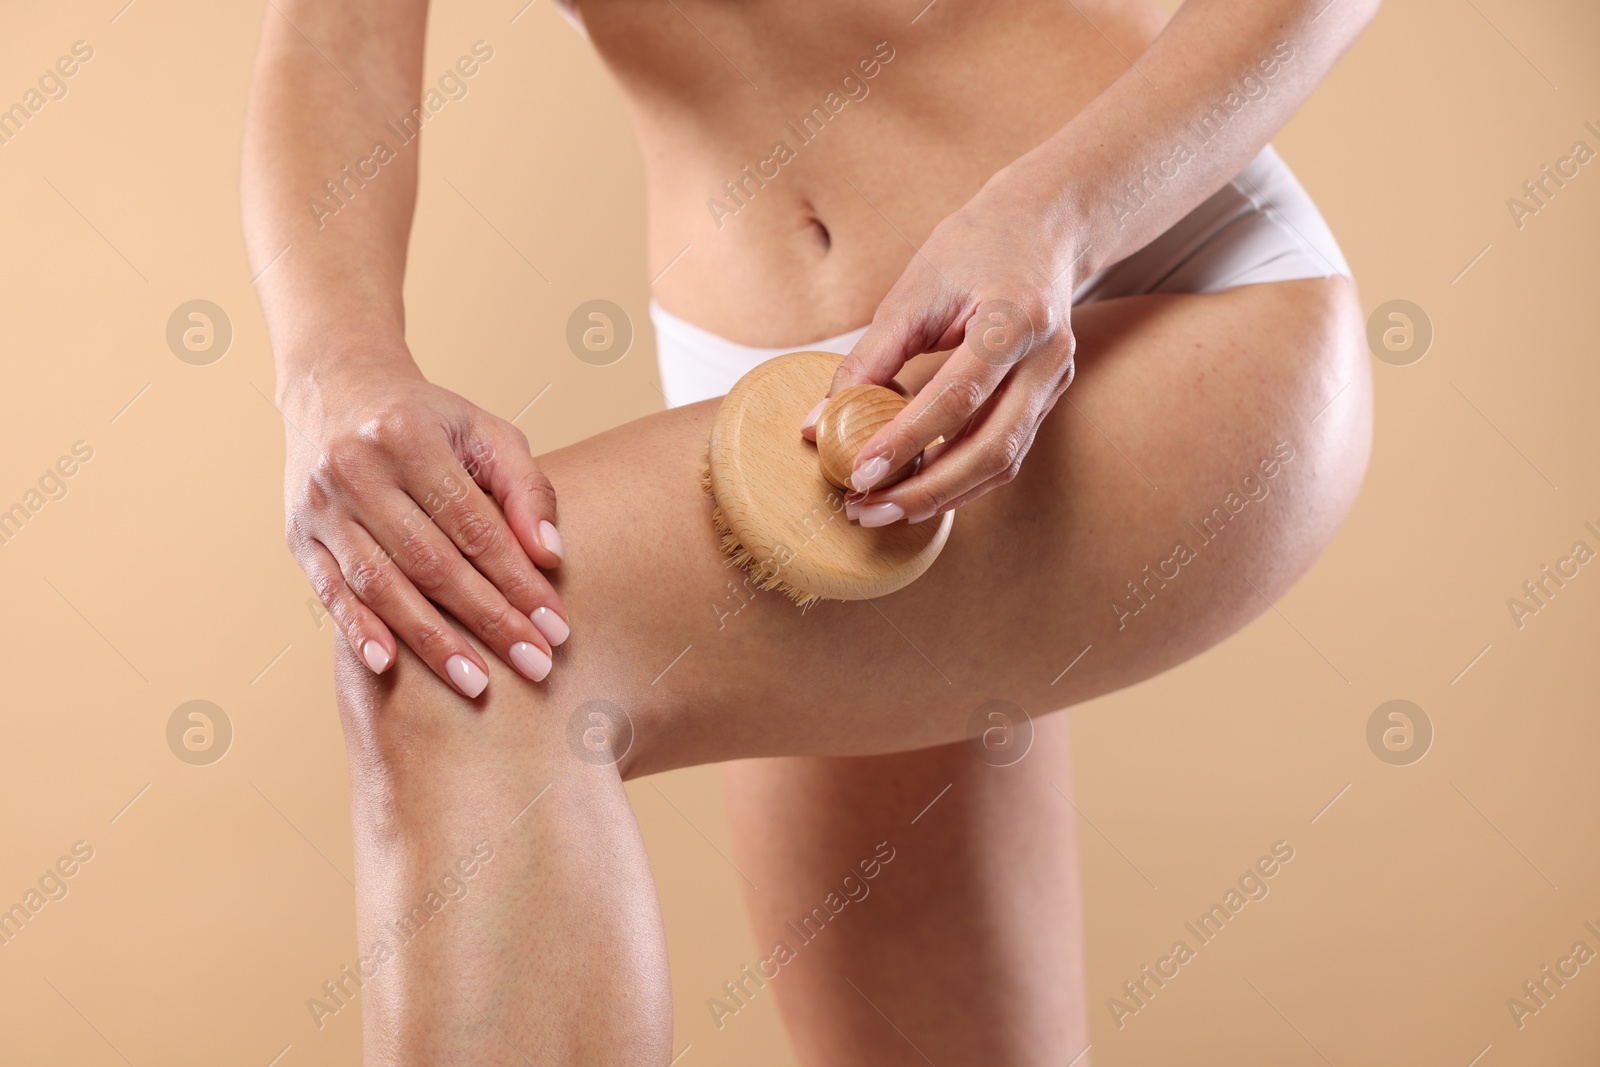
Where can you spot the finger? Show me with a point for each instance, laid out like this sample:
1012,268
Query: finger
808,427
965,498
432,563
360,626
479,532
952,397
916,315
982,458
503,464
434,566
989,454
996,336
941,445
375,578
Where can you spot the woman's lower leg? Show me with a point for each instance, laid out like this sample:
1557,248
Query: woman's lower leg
506,911
967,948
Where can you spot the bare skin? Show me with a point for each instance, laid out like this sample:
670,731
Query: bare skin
992,143
556,954
983,910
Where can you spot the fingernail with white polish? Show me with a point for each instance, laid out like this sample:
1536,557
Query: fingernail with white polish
550,537
924,517
852,510
869,474
466,676
553,626
375,654
813,415
530,660
881,514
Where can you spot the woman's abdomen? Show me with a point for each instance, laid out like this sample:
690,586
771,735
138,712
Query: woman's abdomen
796,156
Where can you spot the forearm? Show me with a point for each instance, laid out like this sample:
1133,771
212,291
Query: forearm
327,216
1202,100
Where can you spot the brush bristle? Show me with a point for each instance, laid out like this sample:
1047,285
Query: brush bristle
764,577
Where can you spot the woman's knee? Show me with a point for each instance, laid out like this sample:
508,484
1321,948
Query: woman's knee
414,742
1328,430
1313,457
1342,424
1219,441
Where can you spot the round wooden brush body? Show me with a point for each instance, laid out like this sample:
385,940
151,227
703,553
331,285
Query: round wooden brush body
781,516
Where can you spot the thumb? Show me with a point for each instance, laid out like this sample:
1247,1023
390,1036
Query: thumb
910,321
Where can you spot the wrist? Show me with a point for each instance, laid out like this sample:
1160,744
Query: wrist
1041,188
332,366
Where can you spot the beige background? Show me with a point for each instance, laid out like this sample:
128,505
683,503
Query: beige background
219,901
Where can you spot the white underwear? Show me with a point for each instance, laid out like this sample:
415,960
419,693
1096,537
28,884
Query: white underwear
1260,227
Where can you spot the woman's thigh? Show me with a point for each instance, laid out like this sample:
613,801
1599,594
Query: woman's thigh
1204,456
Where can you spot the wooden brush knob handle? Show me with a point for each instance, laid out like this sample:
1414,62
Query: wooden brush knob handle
847,422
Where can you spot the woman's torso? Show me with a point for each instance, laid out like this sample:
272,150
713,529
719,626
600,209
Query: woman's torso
832,192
